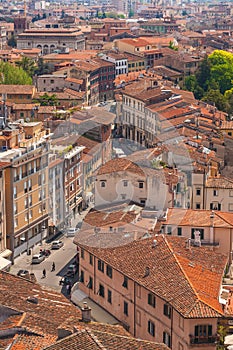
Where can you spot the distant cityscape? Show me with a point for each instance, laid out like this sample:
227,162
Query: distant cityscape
116,175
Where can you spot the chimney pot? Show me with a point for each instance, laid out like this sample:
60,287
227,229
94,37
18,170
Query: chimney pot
86,313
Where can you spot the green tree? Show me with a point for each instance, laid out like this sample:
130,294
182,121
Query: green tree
221,63
215,97
43,67
203,74
47,100
10,74
190,83
229,98
28,65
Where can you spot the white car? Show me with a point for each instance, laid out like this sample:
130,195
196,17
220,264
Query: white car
37,258
56,245
71,231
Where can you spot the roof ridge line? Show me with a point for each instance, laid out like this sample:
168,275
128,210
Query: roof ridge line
177,261
219,215
95,339
123,336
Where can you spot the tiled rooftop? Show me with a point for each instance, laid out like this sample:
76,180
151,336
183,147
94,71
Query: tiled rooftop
104,218
120,164
42,317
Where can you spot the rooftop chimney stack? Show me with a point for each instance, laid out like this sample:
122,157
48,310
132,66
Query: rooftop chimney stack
86,313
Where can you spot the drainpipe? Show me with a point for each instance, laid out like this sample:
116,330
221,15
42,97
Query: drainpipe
171,324
230,253
134,310
94,275
204,189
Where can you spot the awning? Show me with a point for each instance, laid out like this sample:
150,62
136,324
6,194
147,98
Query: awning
4,264
6,253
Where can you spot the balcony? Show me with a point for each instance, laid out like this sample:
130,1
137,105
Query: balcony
201,340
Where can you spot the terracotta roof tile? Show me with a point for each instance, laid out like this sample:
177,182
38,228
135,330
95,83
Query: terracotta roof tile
16,89
42,317
219,182
103,218
120,164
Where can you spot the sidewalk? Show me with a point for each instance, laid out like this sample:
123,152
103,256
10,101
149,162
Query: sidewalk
79,217
98,314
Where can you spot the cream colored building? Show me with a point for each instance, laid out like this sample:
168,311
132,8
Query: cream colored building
122,180
26,185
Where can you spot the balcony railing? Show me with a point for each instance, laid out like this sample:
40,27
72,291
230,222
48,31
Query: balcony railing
212,339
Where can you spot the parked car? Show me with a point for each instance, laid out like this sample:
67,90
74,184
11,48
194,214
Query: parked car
57,244
37,258
23,273
71,231
103,103
45,252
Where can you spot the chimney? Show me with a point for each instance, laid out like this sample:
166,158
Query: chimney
147,271
212,226
188,243
86,312
154,243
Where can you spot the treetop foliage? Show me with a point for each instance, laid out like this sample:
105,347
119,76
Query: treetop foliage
213,81
10,74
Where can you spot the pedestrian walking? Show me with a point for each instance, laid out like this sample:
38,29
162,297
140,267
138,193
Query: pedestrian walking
44,273
53,266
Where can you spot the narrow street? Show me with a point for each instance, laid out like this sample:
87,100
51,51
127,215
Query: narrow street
62,258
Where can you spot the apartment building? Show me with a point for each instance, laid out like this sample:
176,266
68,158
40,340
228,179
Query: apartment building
71,186
98,77
5,253
158,289
26,184
56,209
137,122
119,60
91,161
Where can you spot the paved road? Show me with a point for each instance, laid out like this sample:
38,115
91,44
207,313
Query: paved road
61,257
